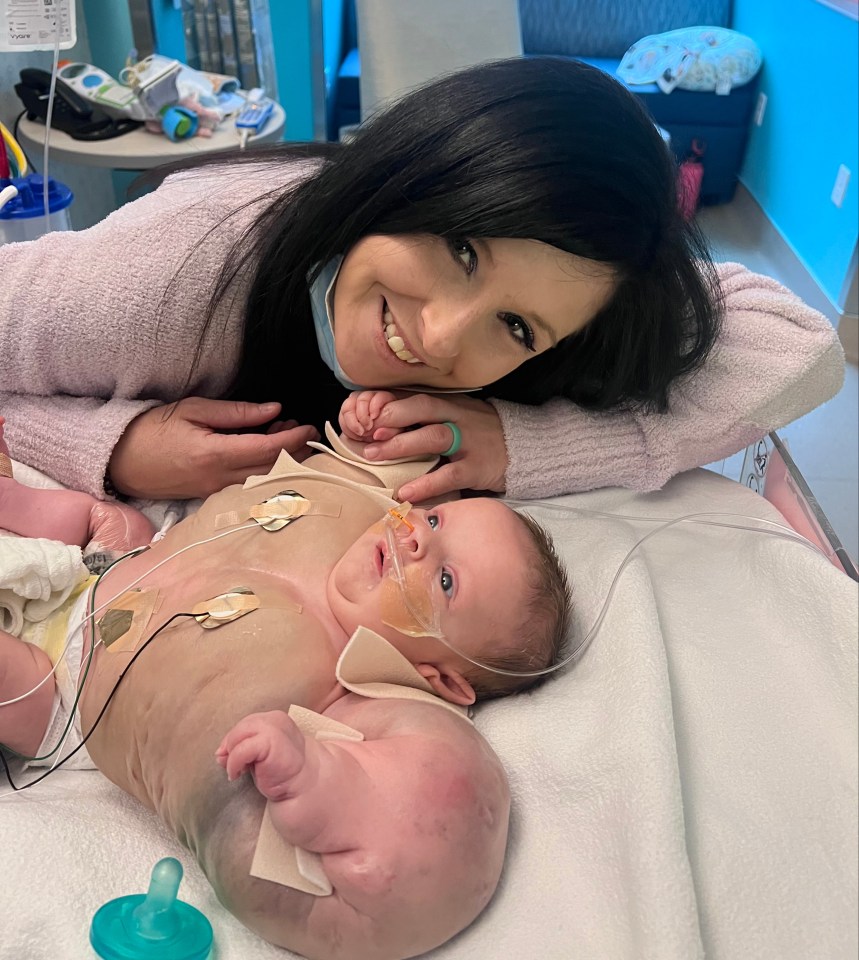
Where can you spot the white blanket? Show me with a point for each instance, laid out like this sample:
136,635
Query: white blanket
688,790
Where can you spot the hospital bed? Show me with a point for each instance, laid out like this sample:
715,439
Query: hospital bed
687,789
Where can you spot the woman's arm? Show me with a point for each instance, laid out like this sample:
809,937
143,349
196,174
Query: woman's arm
775,360
68,438
96,315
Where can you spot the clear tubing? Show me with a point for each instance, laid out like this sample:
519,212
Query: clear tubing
426,621
782,532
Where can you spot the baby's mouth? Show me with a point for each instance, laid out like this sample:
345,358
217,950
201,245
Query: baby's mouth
395,342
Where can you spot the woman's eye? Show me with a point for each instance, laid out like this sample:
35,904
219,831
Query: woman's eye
465,253
447,582
432,521
519,329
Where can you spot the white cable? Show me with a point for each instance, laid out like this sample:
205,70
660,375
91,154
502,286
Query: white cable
48,122
107,603
7,193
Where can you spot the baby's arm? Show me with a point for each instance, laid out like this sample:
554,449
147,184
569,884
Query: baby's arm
304,779
359,413
412,818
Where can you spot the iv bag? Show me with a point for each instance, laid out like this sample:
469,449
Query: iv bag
27,25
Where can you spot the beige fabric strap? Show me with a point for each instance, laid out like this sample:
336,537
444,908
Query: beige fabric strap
274,858
285,468
5,466
392,474
374,668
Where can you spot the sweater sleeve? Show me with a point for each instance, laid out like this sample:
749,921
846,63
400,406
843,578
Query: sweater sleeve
776,360
99,325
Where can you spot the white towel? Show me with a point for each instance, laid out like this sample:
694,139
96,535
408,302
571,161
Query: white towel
687,791
36,576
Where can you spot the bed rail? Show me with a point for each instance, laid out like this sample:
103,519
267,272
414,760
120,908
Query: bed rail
769,469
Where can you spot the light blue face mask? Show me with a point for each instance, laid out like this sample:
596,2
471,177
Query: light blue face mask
322,304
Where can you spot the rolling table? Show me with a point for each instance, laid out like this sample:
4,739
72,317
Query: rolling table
139,149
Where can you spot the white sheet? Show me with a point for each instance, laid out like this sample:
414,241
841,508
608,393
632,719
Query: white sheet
688,790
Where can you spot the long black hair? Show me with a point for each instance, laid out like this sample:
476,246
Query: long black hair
541,148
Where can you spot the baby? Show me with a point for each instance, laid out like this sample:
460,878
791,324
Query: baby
375,822
67,515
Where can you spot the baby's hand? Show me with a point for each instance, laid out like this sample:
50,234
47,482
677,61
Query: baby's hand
270,745
359,412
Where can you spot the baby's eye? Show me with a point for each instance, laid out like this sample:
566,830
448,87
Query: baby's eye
465,253
432,521
447,582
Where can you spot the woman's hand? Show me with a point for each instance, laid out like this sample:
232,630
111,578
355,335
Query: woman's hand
414,426
179,452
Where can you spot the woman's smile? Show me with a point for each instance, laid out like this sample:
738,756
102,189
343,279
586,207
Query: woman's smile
395,339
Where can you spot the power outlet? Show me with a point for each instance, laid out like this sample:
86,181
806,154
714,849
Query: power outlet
760,109
840,188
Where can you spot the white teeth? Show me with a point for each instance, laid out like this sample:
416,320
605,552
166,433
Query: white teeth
396,342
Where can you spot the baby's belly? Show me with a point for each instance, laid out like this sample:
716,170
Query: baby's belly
176,695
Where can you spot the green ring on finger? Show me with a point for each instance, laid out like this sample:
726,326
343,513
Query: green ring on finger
457,439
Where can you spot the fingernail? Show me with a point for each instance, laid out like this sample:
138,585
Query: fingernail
269,407
371,452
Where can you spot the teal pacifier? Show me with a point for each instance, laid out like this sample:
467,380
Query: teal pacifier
154,925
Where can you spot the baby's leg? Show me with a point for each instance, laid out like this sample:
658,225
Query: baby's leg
67,515
22,666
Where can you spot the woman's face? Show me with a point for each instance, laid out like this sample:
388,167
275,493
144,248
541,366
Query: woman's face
420,310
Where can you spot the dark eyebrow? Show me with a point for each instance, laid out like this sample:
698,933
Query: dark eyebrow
535,318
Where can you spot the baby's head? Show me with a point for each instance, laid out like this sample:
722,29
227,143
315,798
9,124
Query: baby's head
500,595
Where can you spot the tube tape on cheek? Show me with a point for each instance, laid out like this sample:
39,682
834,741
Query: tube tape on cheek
274,858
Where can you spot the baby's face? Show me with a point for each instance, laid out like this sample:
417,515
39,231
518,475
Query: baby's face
476,552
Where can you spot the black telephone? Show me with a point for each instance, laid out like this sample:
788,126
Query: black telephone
72,114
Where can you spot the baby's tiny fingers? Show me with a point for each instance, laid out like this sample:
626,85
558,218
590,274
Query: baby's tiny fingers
351,426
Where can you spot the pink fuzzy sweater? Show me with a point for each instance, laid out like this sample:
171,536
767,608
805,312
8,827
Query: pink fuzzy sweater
92,333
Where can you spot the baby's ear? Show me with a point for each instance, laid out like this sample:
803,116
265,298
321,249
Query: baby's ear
448,684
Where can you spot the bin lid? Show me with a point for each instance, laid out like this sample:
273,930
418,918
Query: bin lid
30,201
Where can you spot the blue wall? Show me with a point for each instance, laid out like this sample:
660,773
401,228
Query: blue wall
810,127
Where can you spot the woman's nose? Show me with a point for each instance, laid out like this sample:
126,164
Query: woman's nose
445,327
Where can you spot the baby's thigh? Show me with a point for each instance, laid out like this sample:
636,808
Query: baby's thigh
23,668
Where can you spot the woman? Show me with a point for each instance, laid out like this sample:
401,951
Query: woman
513,227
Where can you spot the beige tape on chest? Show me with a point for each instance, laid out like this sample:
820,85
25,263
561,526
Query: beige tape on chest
275,513
274,858
121,627
225,608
